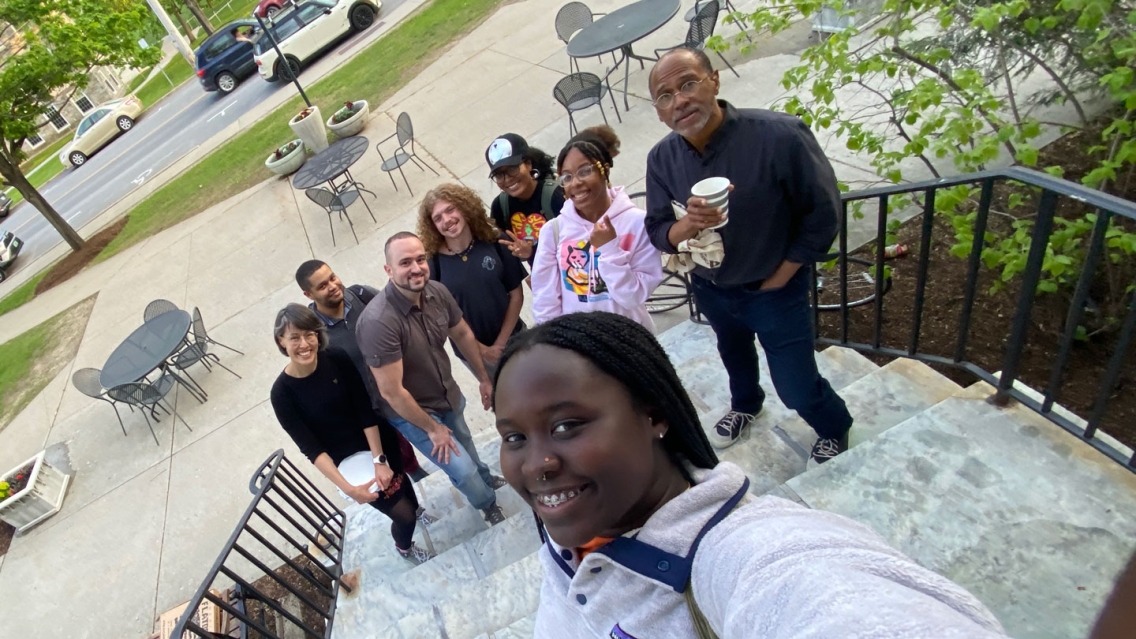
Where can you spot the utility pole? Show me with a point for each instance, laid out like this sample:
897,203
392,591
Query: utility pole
179,40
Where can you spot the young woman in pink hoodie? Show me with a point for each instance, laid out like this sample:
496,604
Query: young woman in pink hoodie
599,257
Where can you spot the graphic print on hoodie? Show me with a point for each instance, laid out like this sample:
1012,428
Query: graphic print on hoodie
570,274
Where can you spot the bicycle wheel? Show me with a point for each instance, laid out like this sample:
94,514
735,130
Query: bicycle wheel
673,293
861,284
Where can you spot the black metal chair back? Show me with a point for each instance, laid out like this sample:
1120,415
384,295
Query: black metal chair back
404,134
571,18
156,308
86,381
148,396
334,203
702,26
578,91
404,129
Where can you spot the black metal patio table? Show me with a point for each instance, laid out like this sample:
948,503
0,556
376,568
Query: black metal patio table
331,163
146,349
619,30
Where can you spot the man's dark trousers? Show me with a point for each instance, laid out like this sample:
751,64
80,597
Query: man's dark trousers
782,320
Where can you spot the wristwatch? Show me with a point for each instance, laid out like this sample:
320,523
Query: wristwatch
382,459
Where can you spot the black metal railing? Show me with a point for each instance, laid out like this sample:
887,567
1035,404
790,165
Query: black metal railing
287,518
1051,190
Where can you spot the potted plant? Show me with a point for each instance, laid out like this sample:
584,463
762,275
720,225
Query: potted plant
287,159
308,126
31,492
349,119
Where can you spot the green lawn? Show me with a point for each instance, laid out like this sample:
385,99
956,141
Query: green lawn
236,10
177,69
23,293
374,74
18,355
139,79
37,158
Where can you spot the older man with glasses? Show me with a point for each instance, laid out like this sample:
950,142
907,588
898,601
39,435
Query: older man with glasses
783,210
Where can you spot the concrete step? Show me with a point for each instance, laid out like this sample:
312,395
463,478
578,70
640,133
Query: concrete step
777,446
1031,520
469,550
502,605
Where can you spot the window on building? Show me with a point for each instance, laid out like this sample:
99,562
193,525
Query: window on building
56,119
34,140
83,103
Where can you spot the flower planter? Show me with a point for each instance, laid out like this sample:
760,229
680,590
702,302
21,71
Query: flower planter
40,499
352,125
311,130
288,164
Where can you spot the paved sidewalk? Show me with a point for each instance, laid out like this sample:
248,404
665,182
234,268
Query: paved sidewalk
142,523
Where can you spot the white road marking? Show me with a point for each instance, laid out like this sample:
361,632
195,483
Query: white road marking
142,177
221,112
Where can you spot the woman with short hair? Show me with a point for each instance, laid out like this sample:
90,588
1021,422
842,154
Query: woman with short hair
322,404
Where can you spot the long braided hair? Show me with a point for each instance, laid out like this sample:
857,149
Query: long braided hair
623,349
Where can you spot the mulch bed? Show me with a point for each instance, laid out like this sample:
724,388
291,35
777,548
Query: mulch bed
76,261
264,614
993,313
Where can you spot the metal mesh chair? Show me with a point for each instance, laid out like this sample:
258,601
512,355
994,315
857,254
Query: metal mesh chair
701,28
149,397
156,308
578,91
86,380
675,290
730,9
404,133
571,18
198,351
335,203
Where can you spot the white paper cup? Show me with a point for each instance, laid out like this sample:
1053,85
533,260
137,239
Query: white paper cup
716,192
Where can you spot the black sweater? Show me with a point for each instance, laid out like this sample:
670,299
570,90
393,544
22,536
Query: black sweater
785,204
327,411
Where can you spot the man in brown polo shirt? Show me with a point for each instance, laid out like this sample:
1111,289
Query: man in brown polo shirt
401,334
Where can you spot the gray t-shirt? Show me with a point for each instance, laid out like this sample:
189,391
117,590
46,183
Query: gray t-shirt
391,328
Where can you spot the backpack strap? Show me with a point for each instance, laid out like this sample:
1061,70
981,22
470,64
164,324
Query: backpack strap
503,202
362,293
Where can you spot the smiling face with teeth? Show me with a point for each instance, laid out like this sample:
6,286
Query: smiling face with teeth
606,470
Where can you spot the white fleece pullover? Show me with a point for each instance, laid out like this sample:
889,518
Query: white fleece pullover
770,569
570,275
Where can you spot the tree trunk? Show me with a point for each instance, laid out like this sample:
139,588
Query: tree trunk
12,174
195,9
181,21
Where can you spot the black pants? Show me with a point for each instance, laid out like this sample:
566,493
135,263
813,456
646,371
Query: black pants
402,507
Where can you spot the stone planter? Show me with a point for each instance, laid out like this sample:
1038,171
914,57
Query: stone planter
288,164
310,130
40,499
352,125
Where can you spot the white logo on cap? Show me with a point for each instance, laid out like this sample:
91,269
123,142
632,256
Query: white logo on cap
499,150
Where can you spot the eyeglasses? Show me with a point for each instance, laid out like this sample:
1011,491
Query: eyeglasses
506,173
666,100
297,339
582,173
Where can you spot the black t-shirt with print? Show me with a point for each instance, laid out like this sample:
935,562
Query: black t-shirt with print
525,217
481,285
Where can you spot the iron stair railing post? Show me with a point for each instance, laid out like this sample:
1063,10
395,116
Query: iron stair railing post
1039,243
881,244
974,262
1100,405
924,262
1077,307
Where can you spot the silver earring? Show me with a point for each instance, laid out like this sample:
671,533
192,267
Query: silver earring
544,476
535,174
661,435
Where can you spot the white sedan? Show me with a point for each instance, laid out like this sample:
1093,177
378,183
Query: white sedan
305,30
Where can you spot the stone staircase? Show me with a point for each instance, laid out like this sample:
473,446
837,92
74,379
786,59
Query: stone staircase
1032,521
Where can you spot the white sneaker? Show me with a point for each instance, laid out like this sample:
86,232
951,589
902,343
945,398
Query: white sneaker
729,429
424,517
416,554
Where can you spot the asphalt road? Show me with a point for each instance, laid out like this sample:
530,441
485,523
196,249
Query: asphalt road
186,118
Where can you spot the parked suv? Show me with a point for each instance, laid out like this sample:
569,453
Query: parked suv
305,30
225,58
5,205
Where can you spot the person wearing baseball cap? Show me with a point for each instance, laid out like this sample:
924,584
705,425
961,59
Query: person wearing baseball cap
529,197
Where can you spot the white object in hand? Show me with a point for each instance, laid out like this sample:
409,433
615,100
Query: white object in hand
358,469
716,192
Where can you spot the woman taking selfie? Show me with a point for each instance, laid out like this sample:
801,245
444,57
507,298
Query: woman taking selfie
599,257
648,535
481,274
321,402
530,196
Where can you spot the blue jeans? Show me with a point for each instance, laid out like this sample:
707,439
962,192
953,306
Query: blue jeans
782,319
467,472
